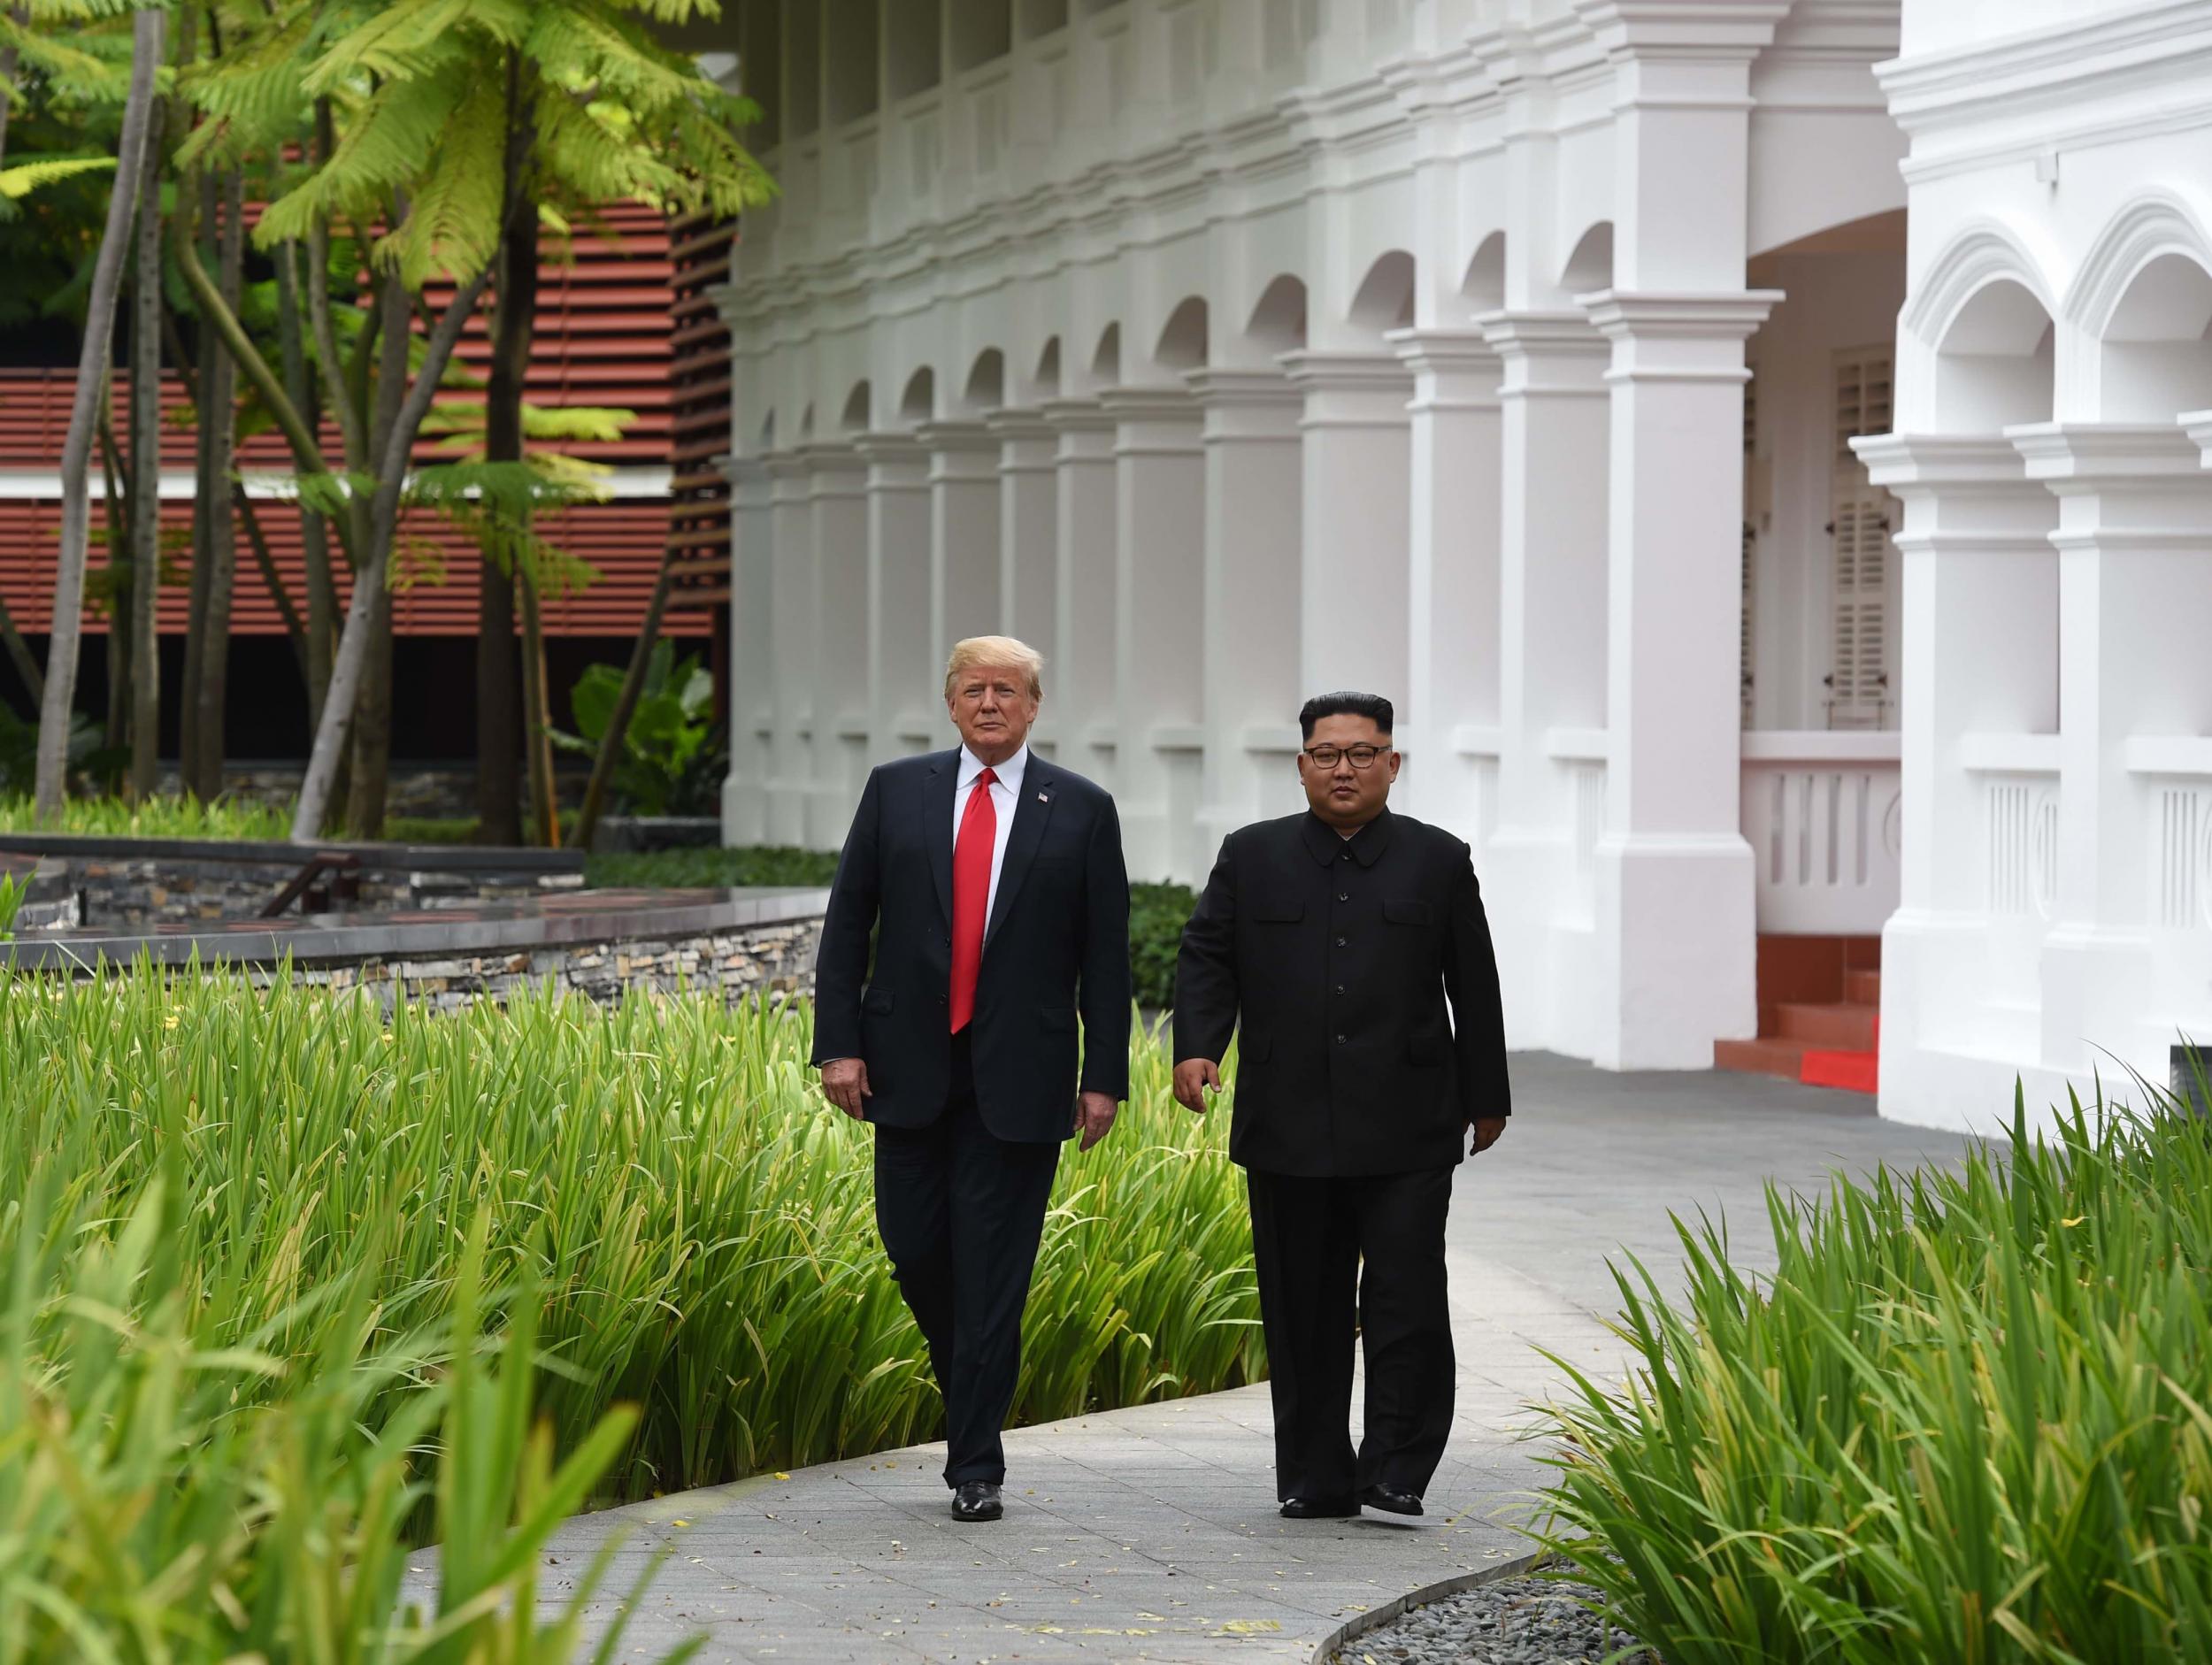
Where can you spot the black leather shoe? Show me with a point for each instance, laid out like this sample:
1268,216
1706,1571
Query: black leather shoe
1393,1499
979,1500
1319,1509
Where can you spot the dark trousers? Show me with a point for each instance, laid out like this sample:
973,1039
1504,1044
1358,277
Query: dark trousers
961,1213
1309,1238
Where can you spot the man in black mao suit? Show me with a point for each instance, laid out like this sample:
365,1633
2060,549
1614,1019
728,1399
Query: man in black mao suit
993,882
1331,941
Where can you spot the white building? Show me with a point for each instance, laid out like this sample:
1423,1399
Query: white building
1723,503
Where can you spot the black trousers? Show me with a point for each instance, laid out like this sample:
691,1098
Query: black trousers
961,1212
1309,1238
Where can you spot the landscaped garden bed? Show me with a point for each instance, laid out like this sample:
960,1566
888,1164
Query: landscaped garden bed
236,1226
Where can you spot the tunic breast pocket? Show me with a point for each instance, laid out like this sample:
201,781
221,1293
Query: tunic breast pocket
1279,910
1409,912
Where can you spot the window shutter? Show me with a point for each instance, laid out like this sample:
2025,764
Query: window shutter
1859,530
1750,538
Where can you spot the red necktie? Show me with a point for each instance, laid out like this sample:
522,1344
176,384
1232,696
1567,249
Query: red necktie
972,895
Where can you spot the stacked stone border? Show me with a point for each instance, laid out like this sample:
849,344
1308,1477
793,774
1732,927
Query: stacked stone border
1375,1618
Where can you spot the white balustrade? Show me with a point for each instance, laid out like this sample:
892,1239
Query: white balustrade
1822,812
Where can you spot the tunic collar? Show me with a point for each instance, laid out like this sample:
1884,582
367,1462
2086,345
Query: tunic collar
1323,843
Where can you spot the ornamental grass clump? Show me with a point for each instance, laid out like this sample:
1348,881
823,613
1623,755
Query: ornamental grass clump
1968,1418
223,818
243,1224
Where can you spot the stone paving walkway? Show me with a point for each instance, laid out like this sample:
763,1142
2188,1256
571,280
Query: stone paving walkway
1150,1534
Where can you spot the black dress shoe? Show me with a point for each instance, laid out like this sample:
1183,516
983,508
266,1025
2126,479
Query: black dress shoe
1319,1509
1394,1499
978,1500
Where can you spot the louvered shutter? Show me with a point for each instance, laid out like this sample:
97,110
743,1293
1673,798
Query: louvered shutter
1743,665
1864,556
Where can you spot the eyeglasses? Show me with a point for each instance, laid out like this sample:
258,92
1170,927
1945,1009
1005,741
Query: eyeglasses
1358,757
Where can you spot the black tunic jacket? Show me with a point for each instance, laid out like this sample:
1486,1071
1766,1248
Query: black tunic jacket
1333,957
1057,946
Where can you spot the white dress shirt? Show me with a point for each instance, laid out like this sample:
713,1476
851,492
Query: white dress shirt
1005,797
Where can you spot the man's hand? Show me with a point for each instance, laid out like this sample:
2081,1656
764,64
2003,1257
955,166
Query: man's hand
1194,1077
1094,1115
1486,1132
845,1084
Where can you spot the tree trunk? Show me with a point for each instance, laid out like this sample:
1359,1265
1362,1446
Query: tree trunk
148,31
372,748
258,540
20,651
212,695
321,629
146,325
121,487
603,766
498,717
196,203
545,809
346,670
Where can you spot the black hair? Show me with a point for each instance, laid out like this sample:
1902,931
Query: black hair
1346,704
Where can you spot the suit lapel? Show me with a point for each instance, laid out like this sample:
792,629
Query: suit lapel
1039,789
937,795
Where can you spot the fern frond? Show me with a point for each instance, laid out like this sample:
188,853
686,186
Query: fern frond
22,178
416,36
452,225
382,149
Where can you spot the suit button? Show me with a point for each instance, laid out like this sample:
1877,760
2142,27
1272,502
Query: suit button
1340,1041
1339,942
1344,895
1340,988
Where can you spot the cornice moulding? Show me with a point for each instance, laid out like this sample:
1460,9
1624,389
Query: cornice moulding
2085,455
1906,462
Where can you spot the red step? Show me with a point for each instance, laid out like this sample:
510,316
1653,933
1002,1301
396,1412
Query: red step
1852,1071
1838,1028
1767,1056
1862,989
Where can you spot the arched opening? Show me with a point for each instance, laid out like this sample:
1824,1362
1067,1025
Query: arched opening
1383,299
806,424
1484,284
1106,360
1278,322
918,402
1182,344
1047,380
1993,366
1590,266
2156,350
986,382
767,433
859,409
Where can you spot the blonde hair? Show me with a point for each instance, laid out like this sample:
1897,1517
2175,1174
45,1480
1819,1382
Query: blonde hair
993,652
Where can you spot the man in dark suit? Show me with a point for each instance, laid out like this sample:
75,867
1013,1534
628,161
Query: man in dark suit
993,883
1331,941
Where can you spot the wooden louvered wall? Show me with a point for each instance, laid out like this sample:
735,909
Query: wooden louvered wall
603,338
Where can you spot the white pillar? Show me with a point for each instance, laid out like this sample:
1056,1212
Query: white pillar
1354,520
752,666
837,502
1453,584
1159,630
963,503
2135,589
1029,525
1077,720
792,648
1250,653
1554,429
904,713
1977,663
1676,920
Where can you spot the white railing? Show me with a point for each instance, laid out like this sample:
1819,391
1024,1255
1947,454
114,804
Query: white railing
1822,814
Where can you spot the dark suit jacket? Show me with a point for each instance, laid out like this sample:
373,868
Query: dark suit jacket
1336,958
1056,946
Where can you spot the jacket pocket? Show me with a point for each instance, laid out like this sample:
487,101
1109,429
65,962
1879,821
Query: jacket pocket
1055,1018
873,999
1409,913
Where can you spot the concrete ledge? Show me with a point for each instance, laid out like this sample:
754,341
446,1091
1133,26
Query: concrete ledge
565,919
376,858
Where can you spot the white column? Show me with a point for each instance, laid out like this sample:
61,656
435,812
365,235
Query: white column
904,712
2135,589
1159,630
837,502
752,637
792,650
964,501
1029,525
1077,720
1250,653
1977,664
1554,429
1357,468
1677,913
1453,584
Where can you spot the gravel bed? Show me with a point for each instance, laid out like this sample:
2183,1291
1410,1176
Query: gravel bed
1525,1620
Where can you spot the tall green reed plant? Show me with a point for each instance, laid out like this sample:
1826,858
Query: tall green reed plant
1968,1418
225,818
12,891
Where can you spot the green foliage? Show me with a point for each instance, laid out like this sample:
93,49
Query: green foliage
1157,914
666,766
686,1226
1968,1418
11,892
91,764
756,866
156,818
